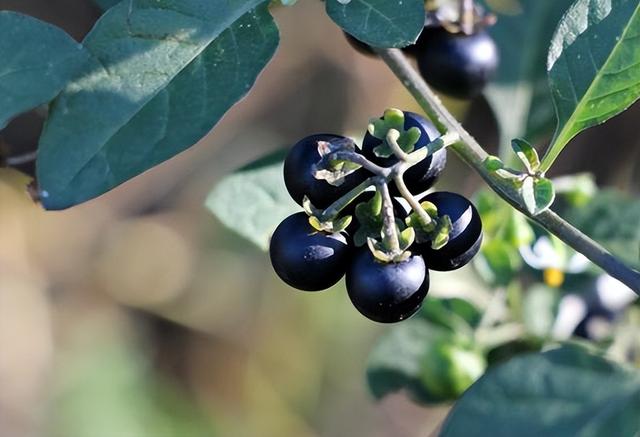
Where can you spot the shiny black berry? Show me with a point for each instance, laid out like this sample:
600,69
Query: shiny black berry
457,64
298,173
465,237
386,292
306,259
423,175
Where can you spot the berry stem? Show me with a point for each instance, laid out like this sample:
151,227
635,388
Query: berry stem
359,159
389,230
467,16
12,161
334,209
425,219
471,152
392,140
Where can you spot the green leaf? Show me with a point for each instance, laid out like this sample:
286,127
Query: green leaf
594,66
456,314
394,363
563,392
253,200
164,74
379,23
611,218
527,154
520,95
538,194
498,262
431,356
38,60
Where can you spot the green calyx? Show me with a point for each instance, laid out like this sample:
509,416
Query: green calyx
437,231
383,253
393,119
331,169
338,224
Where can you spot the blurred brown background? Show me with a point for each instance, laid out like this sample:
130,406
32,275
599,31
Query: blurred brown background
138,315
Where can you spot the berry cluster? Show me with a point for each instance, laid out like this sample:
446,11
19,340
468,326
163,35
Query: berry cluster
456,61
386,253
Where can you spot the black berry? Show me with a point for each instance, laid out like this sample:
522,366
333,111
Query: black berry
457,64
306,259
298,173
423,175
386,292
465,237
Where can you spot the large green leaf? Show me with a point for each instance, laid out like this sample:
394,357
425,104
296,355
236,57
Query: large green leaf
520,94
164,74
594,66
564,392
253,200
380,23
38,60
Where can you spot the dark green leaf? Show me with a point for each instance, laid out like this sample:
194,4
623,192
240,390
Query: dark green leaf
564,392
520,94
38,60
380,23
594,65
164,74
253,200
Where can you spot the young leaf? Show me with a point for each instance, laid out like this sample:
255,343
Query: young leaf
527,154
493,163
563,392
164,74
38,60
253,200
379,23
594,66
538,194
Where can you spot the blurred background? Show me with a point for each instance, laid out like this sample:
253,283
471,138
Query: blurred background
138,314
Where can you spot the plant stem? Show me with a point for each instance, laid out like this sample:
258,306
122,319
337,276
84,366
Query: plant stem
425,219
389,219
474,155
359,159
467,16
13,161
334,209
